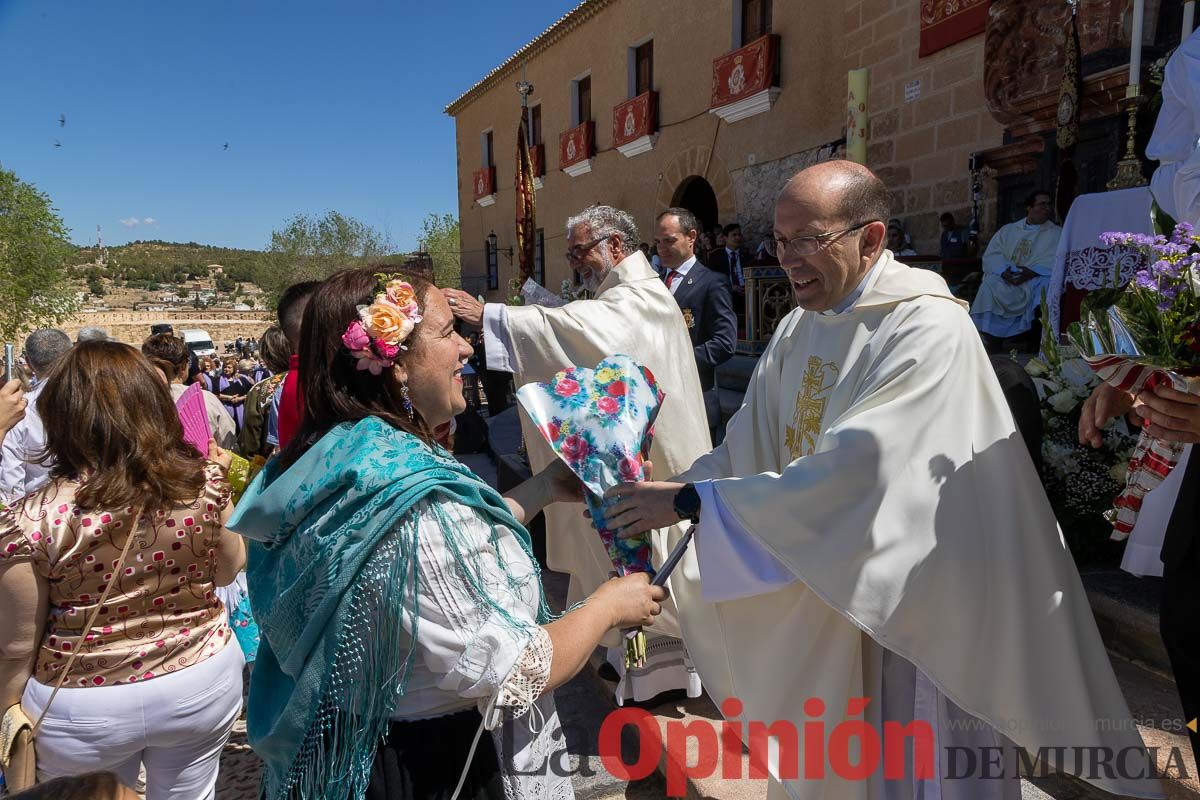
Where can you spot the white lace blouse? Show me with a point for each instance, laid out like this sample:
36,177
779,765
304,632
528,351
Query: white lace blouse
468,655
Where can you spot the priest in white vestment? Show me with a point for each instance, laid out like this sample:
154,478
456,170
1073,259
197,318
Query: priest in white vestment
873,527
634,314
1017,266
1175,142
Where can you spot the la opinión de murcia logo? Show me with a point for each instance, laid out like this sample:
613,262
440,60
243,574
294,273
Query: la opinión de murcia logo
852,750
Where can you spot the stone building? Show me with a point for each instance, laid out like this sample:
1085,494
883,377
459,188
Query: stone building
713,104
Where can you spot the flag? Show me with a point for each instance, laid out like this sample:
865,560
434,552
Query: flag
526,218
1068,121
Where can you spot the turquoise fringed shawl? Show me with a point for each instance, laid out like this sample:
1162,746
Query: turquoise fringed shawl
331,573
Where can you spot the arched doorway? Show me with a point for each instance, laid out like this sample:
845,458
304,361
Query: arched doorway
697,196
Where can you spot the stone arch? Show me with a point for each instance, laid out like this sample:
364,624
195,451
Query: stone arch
698,161
697,195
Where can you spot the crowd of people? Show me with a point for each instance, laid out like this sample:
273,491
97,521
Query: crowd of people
851,541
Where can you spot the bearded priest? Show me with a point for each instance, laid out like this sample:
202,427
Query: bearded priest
872,529
632,313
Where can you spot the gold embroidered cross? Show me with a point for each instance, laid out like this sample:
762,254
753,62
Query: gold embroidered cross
801,436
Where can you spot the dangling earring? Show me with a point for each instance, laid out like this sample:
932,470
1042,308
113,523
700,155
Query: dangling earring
404,401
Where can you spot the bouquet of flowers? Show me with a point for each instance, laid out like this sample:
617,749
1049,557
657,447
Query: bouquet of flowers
601,423
1142,335
1079,481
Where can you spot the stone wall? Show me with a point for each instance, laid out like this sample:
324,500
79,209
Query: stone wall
927,116
132,327
757,187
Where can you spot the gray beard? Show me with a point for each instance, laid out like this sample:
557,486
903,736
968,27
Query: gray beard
592,281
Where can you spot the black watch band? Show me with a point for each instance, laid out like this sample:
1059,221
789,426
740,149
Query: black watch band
687,503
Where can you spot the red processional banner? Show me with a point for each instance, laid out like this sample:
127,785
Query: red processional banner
634,118
947,22
483,182
537,155
526,220
575,145
744,72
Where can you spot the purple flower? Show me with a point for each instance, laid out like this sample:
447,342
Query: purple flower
1143,280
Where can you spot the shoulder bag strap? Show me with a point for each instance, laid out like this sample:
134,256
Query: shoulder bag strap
133,533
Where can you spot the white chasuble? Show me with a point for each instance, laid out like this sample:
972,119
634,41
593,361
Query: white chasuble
633,314
875,460
1001,308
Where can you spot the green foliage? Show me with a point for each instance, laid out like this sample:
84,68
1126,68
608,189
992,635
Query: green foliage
313,248
34,256
95,287
440,237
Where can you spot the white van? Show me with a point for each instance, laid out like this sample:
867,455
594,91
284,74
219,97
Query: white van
198,341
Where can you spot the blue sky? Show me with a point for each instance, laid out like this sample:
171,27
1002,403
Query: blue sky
325,105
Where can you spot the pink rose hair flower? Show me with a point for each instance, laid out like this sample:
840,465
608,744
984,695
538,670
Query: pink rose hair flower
376,338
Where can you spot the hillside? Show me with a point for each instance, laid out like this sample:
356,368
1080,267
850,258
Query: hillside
170,262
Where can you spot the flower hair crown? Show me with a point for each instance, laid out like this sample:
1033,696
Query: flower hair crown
377,337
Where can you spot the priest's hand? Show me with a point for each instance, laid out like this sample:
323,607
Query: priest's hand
464,306
1169,414
1105,404
642,507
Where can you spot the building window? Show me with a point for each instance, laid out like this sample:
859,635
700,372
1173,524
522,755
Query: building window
488,151
535,124
643,68
493,265
581,100
539,256
752,19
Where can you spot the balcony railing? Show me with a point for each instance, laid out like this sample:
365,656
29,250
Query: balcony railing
744,81
576,148
635,124
484,184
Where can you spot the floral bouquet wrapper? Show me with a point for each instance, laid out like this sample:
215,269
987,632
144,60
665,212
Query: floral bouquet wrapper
1113,354
600,421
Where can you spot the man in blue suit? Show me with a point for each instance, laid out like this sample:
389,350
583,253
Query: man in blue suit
704,300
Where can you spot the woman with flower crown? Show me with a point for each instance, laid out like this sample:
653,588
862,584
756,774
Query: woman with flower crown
407,650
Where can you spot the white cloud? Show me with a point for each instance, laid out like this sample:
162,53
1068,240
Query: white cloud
129,222
149,221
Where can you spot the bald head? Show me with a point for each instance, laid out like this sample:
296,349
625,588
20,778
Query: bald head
840,190
831,216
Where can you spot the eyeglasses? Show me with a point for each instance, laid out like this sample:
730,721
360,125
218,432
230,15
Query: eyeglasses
808,245
578,251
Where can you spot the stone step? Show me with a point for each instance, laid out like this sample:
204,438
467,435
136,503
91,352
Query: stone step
1126,611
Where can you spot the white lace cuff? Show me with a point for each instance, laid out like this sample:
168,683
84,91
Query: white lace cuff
529,676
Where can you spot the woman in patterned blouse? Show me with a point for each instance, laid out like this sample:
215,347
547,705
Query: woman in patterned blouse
154,681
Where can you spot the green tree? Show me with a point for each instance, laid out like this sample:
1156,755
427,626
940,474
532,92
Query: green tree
95,287
439,233
34,258
313,248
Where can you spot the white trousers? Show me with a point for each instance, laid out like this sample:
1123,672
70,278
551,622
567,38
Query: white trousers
176,725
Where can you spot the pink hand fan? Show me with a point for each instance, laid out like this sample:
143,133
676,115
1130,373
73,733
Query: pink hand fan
194,416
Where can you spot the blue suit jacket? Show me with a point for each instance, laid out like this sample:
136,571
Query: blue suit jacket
704,299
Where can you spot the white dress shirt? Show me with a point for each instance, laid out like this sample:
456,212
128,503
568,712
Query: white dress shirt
19,474
682,271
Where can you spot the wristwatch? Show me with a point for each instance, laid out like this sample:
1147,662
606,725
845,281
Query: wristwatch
687,503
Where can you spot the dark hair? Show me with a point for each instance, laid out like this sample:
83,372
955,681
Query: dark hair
947,217
335,389
290,308
687,220
730,228
1031,198
92,786
116,424
865,198
165,367
45,347
275,349
168,347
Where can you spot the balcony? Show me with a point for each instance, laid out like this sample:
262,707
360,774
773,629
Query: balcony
744,80
576,148
537,155
635,124
484,182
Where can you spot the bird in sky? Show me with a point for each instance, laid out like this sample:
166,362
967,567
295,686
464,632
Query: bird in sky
62,120
57,143
226,147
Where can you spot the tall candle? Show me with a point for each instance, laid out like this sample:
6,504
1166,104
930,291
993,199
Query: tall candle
1135,47
1189,18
